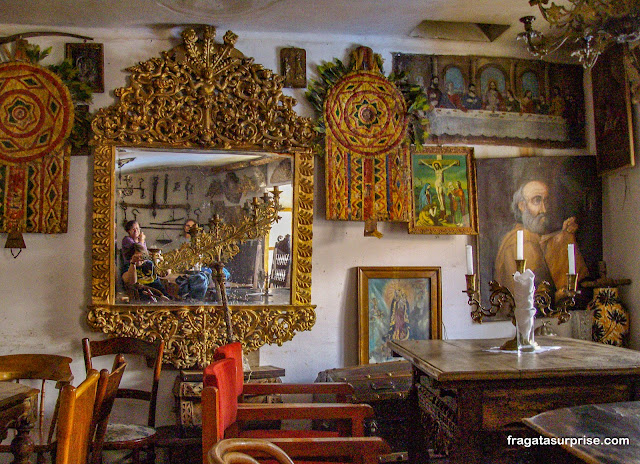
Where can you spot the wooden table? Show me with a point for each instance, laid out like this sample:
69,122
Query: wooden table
18,410
602,421
469,399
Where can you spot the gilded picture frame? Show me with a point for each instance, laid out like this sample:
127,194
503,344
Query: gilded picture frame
397,303
612,112
443,191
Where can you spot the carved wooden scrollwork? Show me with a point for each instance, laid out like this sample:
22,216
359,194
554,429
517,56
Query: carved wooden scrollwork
201,95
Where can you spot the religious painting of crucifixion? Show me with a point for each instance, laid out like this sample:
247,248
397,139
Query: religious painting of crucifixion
443,191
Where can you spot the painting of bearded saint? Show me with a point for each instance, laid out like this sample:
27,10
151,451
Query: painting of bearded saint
555,202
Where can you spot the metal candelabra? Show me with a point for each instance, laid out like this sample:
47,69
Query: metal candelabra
501,300
220,243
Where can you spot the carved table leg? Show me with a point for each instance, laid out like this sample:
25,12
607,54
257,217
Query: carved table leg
416,441
22,445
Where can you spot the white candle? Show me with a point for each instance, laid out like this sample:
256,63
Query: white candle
572,258
469,260
520,244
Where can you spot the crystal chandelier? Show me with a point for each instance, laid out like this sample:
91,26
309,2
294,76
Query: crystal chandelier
588,27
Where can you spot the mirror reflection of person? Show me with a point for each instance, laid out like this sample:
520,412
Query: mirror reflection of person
134,236
545,252
141,270
185,235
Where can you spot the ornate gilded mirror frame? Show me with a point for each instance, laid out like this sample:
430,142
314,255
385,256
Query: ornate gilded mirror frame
201,95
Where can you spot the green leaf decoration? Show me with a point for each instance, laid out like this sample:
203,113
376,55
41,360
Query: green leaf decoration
80,91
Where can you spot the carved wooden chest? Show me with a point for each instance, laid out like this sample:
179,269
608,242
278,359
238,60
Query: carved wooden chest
187,390
385,386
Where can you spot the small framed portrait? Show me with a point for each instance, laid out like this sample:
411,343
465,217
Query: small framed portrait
293,62
89,59
443,191
396,303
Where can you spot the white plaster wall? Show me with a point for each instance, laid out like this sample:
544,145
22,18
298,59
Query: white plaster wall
621,237
45,291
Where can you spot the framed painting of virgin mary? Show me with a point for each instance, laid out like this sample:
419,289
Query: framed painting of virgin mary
401,303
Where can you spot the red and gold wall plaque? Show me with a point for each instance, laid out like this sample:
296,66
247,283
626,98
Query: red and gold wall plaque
36,118
367,162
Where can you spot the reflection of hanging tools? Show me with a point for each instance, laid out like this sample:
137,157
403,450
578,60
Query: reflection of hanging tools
197,212
188,187
163,238
166,187
128,188
176,186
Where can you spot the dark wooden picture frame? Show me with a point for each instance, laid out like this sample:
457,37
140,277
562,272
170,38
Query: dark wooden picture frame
612,112
89,59
574,190
410,295
443,199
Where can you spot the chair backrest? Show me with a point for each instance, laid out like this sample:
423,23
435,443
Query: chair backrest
232,351
233,451
43,367
219,401
108,385
151,351
75,419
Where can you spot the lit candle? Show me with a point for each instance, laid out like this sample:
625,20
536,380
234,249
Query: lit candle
520,244
572,258
469,260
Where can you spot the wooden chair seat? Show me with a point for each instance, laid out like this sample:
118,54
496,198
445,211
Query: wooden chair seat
121,436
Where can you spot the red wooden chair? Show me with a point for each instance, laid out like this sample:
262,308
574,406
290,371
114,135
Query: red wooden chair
223,417
342,391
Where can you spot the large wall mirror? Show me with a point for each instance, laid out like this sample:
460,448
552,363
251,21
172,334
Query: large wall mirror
201,133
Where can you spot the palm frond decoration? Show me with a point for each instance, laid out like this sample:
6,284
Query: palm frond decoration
80,92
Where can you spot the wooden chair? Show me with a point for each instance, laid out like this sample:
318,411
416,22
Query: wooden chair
361,450
223,417
46,369
134,437
343,392
108,385
73,431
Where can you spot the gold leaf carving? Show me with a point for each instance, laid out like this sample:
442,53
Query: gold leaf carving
201,94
